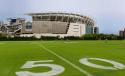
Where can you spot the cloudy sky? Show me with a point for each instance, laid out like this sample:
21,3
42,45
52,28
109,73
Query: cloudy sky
108,14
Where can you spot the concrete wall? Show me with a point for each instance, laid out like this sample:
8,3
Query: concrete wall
76,29
52,27
61,29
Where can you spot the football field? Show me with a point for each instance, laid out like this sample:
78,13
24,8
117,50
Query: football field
62,58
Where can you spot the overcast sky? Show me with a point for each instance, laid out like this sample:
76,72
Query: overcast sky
108,14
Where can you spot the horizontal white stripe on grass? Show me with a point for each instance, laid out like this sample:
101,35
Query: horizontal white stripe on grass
65,60
43,42
69,42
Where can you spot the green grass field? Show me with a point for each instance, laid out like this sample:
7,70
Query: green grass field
61,58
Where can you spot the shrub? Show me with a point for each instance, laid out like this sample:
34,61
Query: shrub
4,37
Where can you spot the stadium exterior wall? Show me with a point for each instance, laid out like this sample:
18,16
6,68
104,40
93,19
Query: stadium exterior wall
61,24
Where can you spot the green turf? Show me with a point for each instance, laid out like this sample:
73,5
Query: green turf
14,54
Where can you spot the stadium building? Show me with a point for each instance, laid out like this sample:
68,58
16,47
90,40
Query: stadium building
54,24
122,33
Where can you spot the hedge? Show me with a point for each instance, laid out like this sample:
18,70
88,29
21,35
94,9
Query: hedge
84,37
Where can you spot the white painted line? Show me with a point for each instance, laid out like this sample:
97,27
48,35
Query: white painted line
65,60
69,42
42,42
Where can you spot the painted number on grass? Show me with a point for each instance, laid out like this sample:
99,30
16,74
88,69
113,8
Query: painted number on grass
55,69
115,64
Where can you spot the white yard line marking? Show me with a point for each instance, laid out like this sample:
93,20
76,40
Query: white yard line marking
69,42
42,42
65,60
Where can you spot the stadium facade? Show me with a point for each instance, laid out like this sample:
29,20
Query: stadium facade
122,33
54,24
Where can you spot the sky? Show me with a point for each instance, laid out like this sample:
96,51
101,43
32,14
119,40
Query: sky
109,15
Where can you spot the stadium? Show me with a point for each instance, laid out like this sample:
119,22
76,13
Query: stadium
62,24
50,24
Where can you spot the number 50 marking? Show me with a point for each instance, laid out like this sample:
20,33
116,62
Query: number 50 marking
57,69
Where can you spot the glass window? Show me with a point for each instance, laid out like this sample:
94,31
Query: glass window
89,29
28,25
